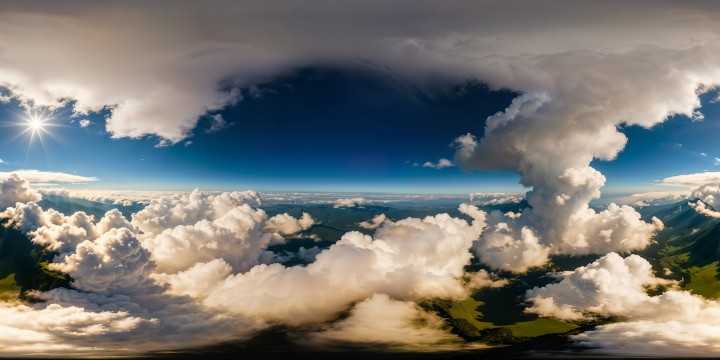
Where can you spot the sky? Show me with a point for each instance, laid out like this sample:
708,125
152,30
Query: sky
332,96
568,100
353,128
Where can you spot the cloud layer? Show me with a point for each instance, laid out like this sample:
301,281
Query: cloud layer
169,69
674,323
194,268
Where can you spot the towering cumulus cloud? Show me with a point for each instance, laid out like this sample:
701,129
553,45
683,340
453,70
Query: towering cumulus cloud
550,135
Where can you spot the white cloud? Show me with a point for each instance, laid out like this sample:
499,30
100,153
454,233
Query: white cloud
36,176
183,230
84,123
653,196
350,202
13,189
441,164
380,319
561,222
284,224
374,223
693,180
406,260
674,323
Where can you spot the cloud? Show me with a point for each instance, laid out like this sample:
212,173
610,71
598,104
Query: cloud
284,224
693,180
158,78
407,260
374,223
350,202
654,196
84,123
193,269
380,319
218,123
441,164
14,189
183,230
484,199
118,302
674,323
36,176
708,200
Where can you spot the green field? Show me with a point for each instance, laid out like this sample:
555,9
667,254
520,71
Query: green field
8,288
532,326
704,280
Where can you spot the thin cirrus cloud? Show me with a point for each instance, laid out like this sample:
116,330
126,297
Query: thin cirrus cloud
37,176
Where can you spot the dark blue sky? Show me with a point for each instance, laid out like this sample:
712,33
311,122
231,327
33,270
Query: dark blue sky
358,128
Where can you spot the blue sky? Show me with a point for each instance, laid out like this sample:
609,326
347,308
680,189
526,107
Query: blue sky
355,128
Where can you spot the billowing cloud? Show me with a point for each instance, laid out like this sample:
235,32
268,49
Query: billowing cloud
708,200
36,176
406,260
383,320
14,189
674,323
285,224
194,269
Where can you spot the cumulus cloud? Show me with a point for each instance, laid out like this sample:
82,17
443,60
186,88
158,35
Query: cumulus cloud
285,224
708,200
559,220
114,300
441,164
674,323
406,260
14,189
383,320
36,176
350,202
84,123
183,230
374,223
221,282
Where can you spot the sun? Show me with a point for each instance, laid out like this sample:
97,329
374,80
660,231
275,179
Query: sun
35,123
